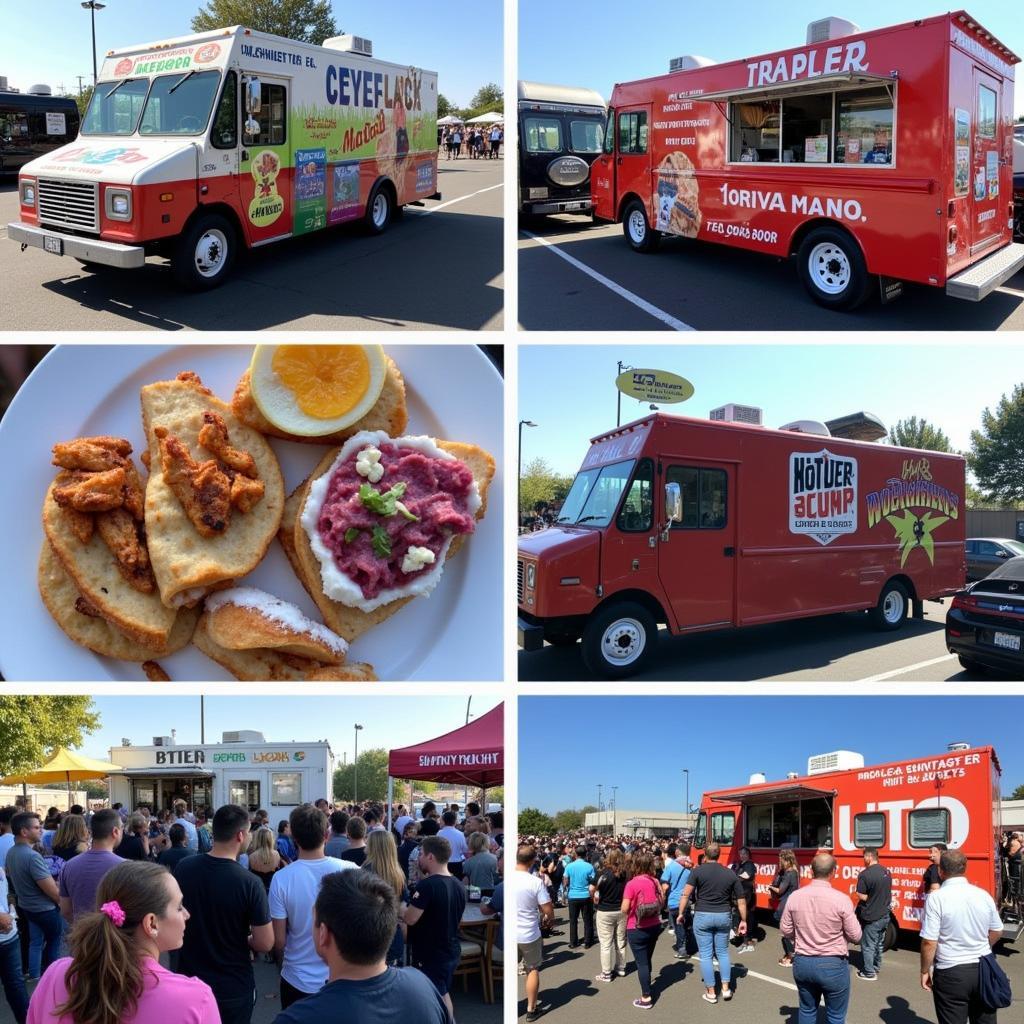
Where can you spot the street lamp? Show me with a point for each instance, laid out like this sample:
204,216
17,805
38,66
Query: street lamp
355,767
599,788
519,476
686,806
92,6
618,395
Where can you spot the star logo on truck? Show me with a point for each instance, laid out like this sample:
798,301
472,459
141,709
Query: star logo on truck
915,532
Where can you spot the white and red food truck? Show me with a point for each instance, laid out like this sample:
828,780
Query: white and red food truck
193,147
843,806
881,156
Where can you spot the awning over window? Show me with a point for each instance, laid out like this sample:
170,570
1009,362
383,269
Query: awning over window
773,794
801,87
164,773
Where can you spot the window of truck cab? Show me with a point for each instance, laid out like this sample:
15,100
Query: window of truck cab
723,828
831,128
594,496
586,136
114,107
180,103
637,512
542,134
705,497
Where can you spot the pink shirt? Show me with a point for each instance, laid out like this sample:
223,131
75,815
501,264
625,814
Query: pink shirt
167,997
821,919
642,889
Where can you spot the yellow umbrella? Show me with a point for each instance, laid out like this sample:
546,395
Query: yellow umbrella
64,766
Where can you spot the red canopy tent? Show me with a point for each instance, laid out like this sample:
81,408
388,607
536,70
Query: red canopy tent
473,755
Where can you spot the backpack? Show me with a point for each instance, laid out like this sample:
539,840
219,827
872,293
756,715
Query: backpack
993,984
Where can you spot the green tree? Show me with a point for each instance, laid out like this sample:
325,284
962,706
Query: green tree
310,21
570,820
1017,794
496,795
490,96
373,777
915,433
82,100
535,823
996,457
31,729
444,105
540,483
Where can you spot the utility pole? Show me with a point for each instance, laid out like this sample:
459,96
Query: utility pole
519,475
686,806
92,6
618,396
355,767
599,788
81,88
202,719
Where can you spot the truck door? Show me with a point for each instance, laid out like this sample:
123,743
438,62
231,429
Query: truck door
265,172
602,174
696,563
985,201
633,156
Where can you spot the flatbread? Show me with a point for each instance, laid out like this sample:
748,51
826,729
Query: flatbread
240,628
59,594
389,412
261,665
352,622
187,565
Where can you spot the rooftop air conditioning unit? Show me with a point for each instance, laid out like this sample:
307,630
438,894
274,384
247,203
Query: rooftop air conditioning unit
40,90
733,413
835,761
807,427
953,747
350,44
689,62
830,28
792,775
125,741
243,736
163,741
757,778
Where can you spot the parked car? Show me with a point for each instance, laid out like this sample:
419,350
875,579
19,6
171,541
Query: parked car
985,622
987,553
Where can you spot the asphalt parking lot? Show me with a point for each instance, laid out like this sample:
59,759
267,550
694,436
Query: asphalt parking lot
765,992
438,266
832,647
703,286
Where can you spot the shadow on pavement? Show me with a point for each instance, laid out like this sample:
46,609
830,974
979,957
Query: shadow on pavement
899,1011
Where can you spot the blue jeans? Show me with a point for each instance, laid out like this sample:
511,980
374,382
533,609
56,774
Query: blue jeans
51,925
642,942
818,976
872,938
682,931
712,934
11,979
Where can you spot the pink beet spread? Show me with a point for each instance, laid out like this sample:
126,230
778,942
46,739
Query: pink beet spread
437,491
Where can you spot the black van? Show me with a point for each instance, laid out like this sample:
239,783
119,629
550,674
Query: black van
32,124
561,130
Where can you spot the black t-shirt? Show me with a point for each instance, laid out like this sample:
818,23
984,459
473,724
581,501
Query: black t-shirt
434,936
405,848
747,867
714,887
130,847
172,855
396,995
357,855
224,901
876,883
610,889
931,877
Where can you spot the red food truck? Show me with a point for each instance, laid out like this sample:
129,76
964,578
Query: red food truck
902,808
702,524
873,157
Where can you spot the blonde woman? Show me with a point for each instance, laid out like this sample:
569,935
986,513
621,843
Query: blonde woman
382,860
264,859
71,838
480,868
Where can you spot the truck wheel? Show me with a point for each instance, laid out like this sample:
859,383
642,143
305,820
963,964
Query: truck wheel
891,937
893,604
205,253
619,640
637,230
379,210
832,269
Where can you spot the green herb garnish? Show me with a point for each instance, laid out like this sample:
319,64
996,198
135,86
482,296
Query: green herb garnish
351,533
381,542
405,512
381,502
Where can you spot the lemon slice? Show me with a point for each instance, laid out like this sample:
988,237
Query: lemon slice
311,390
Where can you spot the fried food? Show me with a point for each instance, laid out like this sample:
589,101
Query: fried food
119,532
91,453
154,673
90,492
81,523
203,489
245,493
214,438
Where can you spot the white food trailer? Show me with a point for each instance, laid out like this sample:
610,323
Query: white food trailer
244,768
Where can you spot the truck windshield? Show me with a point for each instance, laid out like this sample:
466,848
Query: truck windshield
586,136
700,835
595,494
180,104
115,107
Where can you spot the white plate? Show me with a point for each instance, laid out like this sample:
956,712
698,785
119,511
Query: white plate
453,392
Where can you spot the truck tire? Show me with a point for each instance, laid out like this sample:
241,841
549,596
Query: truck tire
619,640
205,253
893,605
637,229
832,269
891,937
380,210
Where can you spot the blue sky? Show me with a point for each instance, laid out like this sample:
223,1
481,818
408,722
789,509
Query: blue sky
615,49
388,722
567,745
569,391
459,39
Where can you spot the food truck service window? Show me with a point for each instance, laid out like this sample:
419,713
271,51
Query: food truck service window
271,118
245,793
704,497
802,823
637,510
633,132
285,789
868,830
542,134
927,826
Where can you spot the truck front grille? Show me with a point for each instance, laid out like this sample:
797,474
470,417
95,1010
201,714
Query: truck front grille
520,572
69,204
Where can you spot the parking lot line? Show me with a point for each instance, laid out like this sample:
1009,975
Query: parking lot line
452,202
906,668
625,293
774,981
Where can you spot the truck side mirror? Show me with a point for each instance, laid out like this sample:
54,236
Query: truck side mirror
253,95
251,128
673,503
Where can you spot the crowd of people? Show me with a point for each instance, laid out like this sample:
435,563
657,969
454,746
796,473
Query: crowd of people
481,142
111,917
624,892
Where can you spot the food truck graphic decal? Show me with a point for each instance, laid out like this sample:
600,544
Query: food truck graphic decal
823,495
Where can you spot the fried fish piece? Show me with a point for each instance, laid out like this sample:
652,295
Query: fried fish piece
81,523
90,492
154,673
86,454
134,493
245,493
119,532
203,489
214,438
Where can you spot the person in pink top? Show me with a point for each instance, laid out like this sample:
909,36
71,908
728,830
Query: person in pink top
641,903
820,922
113,975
